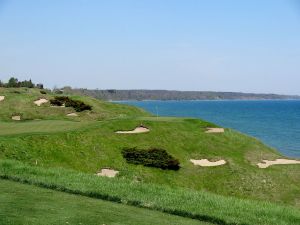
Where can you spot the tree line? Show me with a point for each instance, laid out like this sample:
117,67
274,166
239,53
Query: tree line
15,83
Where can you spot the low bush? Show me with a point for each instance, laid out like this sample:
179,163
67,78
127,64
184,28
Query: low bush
76,104
153,157
43,92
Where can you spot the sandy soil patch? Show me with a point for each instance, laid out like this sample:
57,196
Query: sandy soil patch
267,163
2,98
137,130
107,173
40,101
16,117
55,106
206,162
214,130
72,114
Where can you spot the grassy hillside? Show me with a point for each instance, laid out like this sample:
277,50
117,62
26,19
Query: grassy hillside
88,142
199,205
21,101
28,205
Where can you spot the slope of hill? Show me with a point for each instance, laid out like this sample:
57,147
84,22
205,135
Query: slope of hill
21,101
23,204
118,95
88,142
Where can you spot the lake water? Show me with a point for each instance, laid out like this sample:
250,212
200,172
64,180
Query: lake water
276,123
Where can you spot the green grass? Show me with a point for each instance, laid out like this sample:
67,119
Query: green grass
23,103
88,143
203,206
95,146
40,126
28,205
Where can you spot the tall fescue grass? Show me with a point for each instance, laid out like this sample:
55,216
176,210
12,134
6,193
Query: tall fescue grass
183,202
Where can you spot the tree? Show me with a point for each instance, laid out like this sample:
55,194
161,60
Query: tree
12,82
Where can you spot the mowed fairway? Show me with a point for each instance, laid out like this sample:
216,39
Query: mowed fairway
40,126
27,204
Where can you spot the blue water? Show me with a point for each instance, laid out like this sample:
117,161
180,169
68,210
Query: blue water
276,123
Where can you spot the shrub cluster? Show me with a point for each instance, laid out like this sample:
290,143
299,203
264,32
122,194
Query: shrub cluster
76,104
15,83
153,157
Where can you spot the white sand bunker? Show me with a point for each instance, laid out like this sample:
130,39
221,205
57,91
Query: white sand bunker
137,130
40,101
16,117
2,98
72,114
214,130
108,173
205,162
267,163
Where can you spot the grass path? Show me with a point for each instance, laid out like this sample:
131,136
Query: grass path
40,126
27,204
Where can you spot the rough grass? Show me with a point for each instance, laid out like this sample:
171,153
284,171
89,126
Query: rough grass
202,206
92,147
28,205
20,101
88,143
40,126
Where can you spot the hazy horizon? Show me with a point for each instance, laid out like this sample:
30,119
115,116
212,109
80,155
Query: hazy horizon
232,46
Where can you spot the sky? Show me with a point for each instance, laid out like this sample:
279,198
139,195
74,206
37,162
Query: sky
212,45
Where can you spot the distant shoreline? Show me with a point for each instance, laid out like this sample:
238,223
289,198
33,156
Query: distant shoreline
166,95
202,100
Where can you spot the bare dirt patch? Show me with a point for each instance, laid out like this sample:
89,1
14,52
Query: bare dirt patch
137,130
40,101
2,98
72,114
267,163
16,117
215,130
206,162
107,173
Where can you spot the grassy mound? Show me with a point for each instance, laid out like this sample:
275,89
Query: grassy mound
21,101
49,139
28,205
202,206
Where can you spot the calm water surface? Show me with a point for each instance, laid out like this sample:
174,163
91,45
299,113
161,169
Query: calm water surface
276,123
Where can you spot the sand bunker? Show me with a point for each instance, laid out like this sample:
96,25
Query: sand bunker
267,163
40,101
205,162
214,130
16,117
108,173
72,114
2,98
137,130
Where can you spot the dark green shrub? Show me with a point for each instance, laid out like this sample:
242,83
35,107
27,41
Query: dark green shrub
76,104
153,157
43,92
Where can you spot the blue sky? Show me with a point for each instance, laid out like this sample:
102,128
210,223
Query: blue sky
232,45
